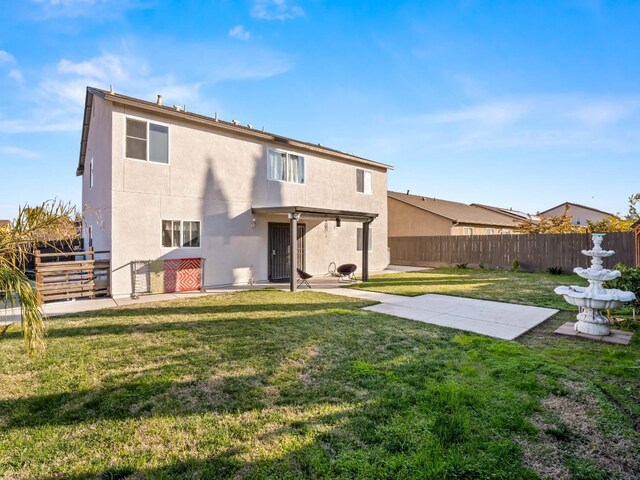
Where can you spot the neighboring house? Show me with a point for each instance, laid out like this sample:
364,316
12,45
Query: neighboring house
581,214
162,183
416,215
519,216
5,223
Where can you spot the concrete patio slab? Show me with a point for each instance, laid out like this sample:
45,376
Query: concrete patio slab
495,319
617,337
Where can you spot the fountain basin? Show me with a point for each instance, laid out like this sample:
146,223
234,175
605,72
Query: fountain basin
598,253
603,275
582,297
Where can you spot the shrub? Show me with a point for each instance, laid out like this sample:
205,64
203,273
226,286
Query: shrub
555,270
462,265
629,281
515,265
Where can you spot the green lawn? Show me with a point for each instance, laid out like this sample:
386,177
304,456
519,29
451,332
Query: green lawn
499,285
268,384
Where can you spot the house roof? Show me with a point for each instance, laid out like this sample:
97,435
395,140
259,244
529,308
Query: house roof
518,215
455,211
577,205
213,123
4,223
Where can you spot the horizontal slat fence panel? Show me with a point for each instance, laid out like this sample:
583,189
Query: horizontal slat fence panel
81,276
534,252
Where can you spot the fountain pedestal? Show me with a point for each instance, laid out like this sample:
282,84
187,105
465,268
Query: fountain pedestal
593,299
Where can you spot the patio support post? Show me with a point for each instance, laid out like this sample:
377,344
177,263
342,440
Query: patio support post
293,250
365,250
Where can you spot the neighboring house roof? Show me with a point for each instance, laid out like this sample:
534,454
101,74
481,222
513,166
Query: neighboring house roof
4,223
455,211
518,215
577,205
214,123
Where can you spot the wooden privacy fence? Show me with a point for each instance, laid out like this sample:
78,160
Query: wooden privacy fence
534,252
62,276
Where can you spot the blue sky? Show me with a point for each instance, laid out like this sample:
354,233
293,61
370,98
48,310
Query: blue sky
515,104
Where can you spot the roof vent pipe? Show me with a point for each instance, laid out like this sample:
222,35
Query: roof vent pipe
235,122
111,89
215,117
177,107
159,102
407,192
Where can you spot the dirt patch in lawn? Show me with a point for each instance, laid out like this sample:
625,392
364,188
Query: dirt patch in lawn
571,442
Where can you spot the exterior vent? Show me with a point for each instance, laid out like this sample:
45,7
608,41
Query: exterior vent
159,102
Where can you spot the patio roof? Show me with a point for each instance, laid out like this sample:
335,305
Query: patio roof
313,212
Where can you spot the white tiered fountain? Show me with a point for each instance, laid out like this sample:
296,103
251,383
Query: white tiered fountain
593,299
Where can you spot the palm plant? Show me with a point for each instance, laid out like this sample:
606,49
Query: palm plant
34,226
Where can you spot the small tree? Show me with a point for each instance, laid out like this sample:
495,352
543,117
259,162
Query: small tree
553,224
42,225
610,225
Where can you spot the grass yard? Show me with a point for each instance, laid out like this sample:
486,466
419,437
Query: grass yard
503,286
267,384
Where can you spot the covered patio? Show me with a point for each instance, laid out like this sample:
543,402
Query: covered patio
296,213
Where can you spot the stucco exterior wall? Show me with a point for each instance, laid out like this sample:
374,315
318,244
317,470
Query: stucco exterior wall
217,178
581,215
409,221
482,229
97,201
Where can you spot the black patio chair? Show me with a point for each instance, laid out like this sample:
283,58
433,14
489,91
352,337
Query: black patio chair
346,273
303,277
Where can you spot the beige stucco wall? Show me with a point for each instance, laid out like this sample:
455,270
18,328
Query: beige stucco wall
481,229
409,221
580,215
216,178
97,201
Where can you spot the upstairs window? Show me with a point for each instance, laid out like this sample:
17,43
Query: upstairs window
91,174
147,141
491,231
467,230
363,181
285,167
180,233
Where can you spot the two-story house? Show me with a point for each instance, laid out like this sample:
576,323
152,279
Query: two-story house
161,183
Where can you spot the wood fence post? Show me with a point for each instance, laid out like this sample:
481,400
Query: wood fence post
93,272
39,280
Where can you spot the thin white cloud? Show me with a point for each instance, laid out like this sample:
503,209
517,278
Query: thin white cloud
240,33
100,9
275,10
6,57
18,152
16,75
603,112
492,113
60,89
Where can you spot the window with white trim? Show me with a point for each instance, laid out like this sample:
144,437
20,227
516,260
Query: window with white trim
364,181
147,141
359,233
491,231
91,174
285,167
467,230
506,231
180,233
